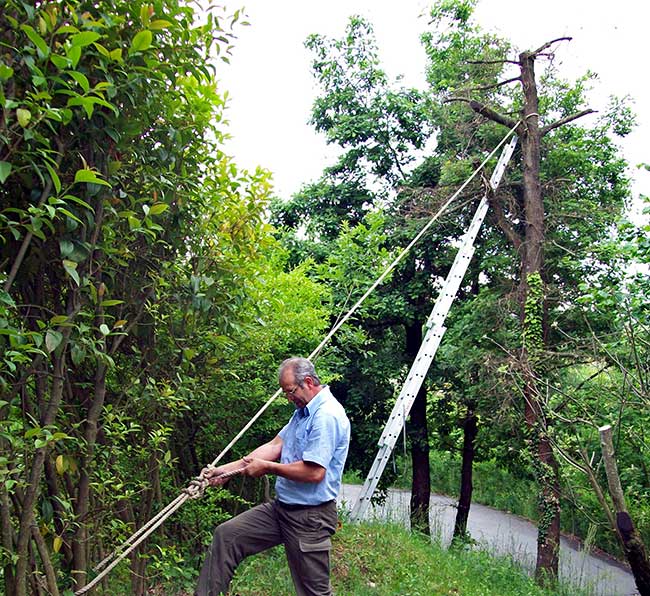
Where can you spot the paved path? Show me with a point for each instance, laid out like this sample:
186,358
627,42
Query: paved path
504,533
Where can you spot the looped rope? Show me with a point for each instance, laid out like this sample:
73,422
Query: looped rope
197,487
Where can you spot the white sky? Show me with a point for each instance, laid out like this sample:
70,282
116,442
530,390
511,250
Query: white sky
271,88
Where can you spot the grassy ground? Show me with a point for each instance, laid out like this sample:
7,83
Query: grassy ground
386,560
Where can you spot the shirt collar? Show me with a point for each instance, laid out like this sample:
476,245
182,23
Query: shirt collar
315,403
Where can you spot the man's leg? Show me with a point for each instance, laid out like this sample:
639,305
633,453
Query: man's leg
307,543
249,533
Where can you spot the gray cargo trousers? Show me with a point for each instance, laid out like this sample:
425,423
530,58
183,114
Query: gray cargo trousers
304,531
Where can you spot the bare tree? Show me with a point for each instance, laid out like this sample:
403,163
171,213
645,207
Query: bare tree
530,247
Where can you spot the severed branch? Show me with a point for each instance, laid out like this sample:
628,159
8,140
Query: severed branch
486,111
503,223
548,44
495,85
548,128
493,62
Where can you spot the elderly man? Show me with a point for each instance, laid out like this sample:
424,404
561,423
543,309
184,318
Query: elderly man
307,457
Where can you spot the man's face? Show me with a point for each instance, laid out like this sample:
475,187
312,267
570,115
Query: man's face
292,391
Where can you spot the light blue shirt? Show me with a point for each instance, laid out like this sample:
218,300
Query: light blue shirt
318,433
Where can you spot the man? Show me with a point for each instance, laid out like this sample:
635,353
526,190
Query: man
307,456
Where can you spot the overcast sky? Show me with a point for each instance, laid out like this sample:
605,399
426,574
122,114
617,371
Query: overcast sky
271,87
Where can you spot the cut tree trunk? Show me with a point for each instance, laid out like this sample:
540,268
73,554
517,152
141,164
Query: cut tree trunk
635,550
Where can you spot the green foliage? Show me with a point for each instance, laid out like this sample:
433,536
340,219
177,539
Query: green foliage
533,318
360,111
140,278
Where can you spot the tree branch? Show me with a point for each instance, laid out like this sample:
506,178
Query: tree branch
548,128
493,62
548,44
495,85
503,222
486,111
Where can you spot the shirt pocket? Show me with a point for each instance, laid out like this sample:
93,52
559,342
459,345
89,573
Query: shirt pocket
301,440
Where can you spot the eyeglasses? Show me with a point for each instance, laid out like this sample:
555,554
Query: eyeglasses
291,392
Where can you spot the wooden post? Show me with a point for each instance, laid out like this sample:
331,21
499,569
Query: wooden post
635,550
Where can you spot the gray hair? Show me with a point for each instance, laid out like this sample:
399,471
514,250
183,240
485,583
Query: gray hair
301,368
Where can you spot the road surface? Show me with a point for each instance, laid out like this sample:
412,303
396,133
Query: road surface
503,533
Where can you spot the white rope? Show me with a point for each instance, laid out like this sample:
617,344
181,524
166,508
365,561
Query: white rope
198,485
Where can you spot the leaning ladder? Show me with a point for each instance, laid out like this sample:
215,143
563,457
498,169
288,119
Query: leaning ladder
435,330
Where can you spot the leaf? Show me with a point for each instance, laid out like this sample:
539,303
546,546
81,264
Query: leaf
160,24
71,270
32,432
60,465
58,542
88,175
52,340
120,323
158,208
82,80
69,214
74,53
66,247
102,50
116,55
111,302
24,116
78,354
141,41
86,102
36,39
78,201
66,29
55,177
145,14
61,62
104,330
85,38
5,170
6,72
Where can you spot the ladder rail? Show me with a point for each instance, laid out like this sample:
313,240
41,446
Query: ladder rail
433,337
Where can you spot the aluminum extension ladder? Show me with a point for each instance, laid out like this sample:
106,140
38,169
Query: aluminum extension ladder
435,331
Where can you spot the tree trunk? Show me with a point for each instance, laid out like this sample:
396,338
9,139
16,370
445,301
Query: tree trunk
470,428
7,539
44,554
635,551
419,436
532,316
80,539
530,246
35,473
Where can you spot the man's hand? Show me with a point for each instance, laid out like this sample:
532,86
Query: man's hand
255,467
212,475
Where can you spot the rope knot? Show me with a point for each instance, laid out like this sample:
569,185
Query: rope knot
197,487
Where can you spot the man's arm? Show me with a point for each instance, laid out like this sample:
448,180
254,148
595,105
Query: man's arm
269,451
301,471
